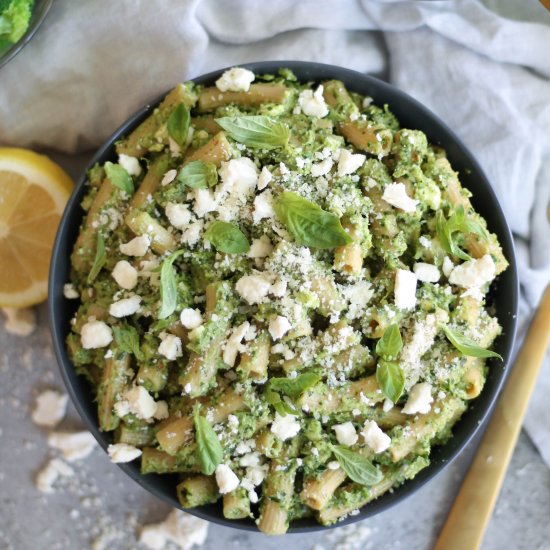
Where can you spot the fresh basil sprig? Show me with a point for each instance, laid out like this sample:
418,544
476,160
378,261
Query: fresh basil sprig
198,175
127,339
99,259
168,287
308,223
357,467
118,176
457,223
467,346
391,344
277,402
178,124
391,379
227,237
209,449
291,387
260,132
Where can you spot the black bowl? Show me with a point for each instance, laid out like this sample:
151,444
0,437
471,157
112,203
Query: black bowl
504,294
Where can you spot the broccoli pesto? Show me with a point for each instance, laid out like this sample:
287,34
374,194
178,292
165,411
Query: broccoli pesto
15,16
281,297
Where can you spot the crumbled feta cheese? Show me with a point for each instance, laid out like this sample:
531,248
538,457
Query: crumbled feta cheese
253,496
70,292
191,318
130,164
278,327
313,103
169,177
374,437
137,400
263,207
447,266
125,275
405,289
73,445
396,195
50,408
50,473
427,273
233,345
278,288
349,162
321,168
425,241
250,333
20,321
333,465
138,246
345,433
250,459
182,530
122,452
388,405
95,334
260,248
358,295
253,288
192,233
175,149
125,307
170,346
233,421
239,175
285,427
265,177
473,273
226,479
162,410
204,202
474,292
235,80
178,215
420,399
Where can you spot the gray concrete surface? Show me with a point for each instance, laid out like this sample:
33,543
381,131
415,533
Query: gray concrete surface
101,508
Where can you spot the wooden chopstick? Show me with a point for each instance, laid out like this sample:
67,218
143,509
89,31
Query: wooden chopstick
473,507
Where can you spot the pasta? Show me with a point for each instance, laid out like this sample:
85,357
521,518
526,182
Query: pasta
282,297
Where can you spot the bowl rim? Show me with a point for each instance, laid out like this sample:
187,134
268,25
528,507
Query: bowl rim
483,409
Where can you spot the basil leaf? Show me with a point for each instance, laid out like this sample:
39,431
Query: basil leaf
357,467
99,260
391,344
294,387
227,238
308,223
391,379
209,449
178,124
119,177
262,132
282,407
168,287
127,339
467,346
198,175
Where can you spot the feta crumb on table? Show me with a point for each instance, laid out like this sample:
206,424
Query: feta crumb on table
50,408
73,445
20,321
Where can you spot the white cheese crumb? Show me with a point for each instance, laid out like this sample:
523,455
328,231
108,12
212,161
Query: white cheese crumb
125,307
50,473
374,437
95,334
425,241
125,275
263,207
226,479
137,400
178,214
20,321
235,80
260,248
396,195
420,399
192,233
191,318
138,246
265,177
427,273
278,327
182,530
473,273
70,292
204,202
73,445
169,177
170,346
253,288
313,103
405,289
162,410
122,452
233,345
388,405
50,408
278,288
130,164
233,421
285,427
345,433
349,162
333,465
321,168
239,177
447,266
